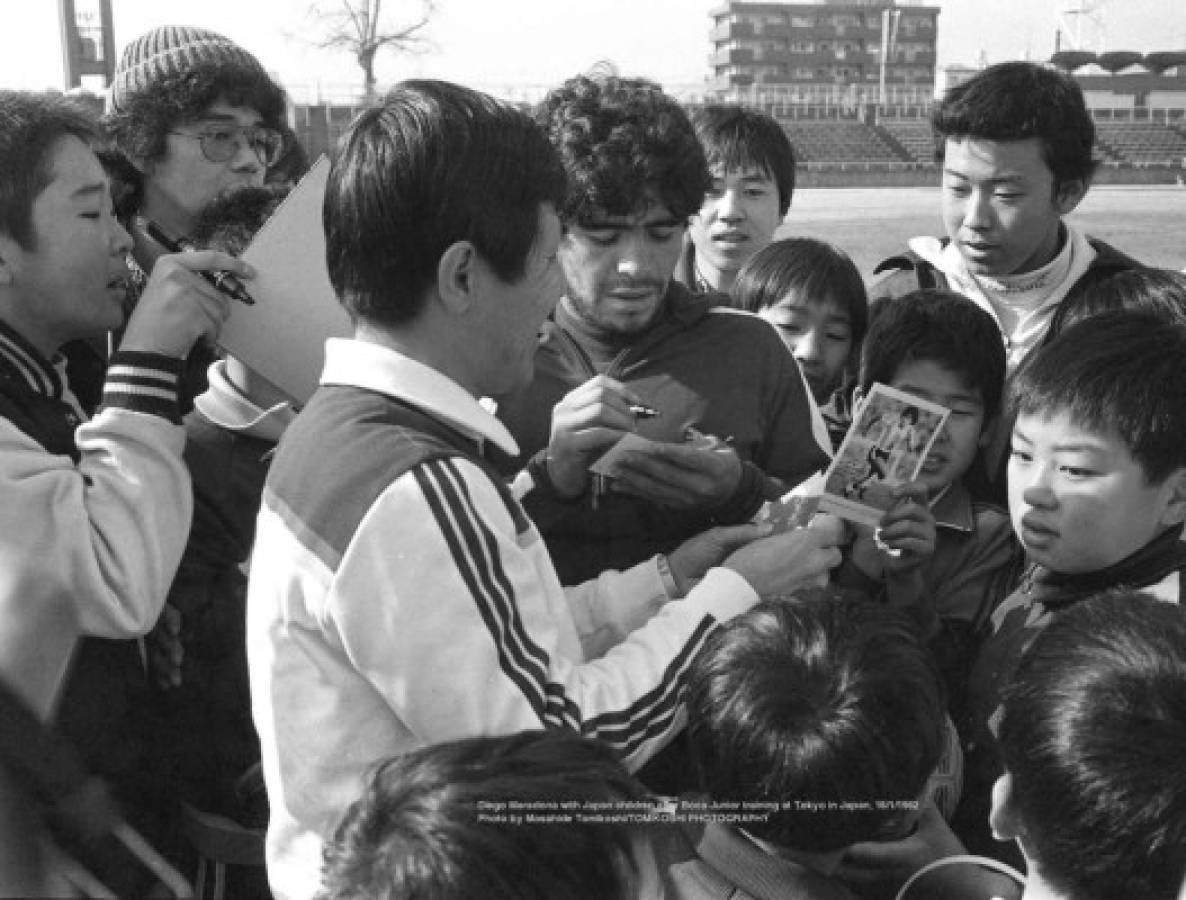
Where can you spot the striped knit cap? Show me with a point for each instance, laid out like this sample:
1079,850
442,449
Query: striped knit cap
172,50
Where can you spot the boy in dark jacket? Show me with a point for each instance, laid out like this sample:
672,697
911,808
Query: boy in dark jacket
936,346
1097,496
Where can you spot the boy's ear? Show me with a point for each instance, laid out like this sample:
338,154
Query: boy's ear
1002,819
1175,510
457,277
1069,194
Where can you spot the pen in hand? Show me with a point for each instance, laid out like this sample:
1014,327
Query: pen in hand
221,279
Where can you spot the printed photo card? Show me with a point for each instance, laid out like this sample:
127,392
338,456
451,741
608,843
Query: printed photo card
890,438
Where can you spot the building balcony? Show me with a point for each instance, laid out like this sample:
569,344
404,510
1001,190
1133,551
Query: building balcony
728,31
732,56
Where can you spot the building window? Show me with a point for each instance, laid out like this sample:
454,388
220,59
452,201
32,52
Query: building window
802,21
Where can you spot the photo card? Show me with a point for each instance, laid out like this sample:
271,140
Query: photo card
886,445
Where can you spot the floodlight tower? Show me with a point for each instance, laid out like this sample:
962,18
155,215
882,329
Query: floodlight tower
88,41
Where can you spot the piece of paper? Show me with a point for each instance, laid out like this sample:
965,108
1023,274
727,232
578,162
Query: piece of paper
283,335
886,446
607,463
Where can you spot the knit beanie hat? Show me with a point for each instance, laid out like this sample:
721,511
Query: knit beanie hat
172,50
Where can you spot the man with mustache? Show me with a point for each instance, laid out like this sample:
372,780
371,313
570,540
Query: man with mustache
628,349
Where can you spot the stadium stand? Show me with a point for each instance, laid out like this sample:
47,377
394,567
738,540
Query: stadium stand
839,141
1141,143
914,136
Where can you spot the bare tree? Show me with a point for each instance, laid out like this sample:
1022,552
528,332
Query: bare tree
359,27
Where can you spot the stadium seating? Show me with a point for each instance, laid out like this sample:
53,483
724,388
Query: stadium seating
1141,143
837,141
914,136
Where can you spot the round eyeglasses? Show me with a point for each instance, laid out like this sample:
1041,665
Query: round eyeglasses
222,142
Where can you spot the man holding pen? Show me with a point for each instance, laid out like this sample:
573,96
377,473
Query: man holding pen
629,349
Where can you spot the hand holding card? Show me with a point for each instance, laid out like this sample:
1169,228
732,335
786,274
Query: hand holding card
886,446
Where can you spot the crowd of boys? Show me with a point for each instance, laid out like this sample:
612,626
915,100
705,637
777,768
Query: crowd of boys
446,608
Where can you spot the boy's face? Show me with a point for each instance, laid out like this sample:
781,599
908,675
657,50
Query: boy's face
618,267
179,185
1078,500
71,281
955,446
737,219
819,336
999,204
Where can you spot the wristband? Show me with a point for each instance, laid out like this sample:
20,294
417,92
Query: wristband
666,576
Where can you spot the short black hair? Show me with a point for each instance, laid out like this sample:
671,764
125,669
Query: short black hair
1119,372
31,124
817,272
433,164
821,700
619,140
940,327
1014,101
734,137
427,824
139,129
1093,726
1161,292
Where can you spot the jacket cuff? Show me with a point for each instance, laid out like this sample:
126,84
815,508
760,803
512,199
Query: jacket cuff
144,382
747,498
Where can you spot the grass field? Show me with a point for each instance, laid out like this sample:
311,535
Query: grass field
873,223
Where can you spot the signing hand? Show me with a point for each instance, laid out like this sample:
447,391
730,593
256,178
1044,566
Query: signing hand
584,423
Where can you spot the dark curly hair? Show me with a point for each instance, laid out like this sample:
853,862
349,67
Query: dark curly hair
621,139
138,130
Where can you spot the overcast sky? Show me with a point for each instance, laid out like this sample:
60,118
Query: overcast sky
501,44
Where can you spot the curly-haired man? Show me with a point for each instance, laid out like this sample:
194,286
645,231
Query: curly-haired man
627,337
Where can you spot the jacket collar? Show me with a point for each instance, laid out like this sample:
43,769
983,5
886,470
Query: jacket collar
1153,562
21,361
953,508
383,370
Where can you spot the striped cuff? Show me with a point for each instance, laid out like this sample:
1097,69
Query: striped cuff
144,382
